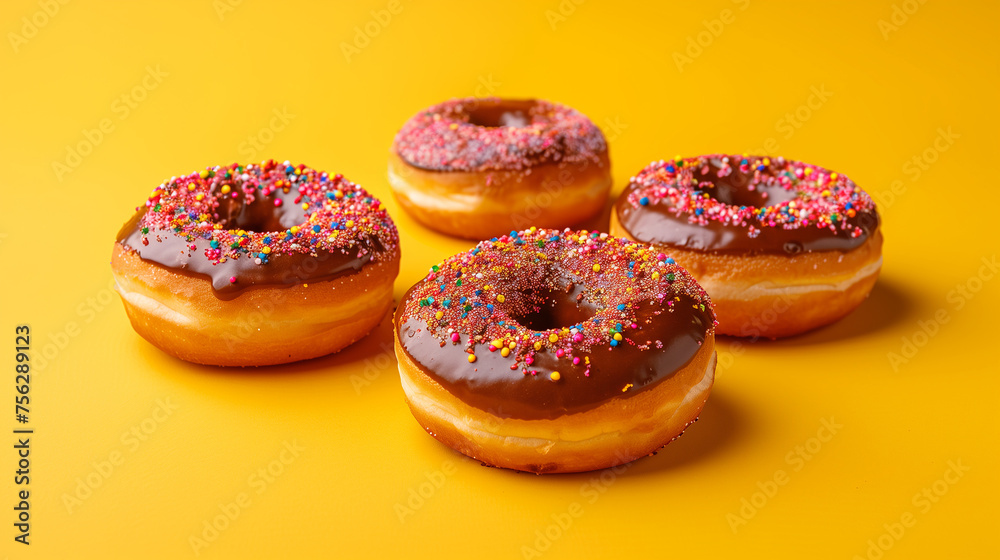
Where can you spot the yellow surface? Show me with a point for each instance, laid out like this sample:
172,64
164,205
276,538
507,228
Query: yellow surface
188,442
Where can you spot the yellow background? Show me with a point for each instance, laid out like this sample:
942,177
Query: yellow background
887,96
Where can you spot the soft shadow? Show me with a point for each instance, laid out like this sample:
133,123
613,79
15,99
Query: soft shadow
377,343
888,305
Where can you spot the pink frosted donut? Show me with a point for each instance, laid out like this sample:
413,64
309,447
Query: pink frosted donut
476,168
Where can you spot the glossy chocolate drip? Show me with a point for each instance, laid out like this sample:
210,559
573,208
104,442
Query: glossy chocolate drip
174,252
662,224
674,335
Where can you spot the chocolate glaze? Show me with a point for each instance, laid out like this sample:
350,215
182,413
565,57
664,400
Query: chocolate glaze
662,224
173,252
490,385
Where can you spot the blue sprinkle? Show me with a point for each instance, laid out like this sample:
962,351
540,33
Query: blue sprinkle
214,244
644,201
501,323
621,307
289,170
490,307
554,238
464,315
430,300
614,342
513,233
618,326
316,229
463,300
479,292
331,196
446,303
699,211
670,169
670,260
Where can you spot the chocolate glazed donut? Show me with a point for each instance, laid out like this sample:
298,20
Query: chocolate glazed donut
782,246
556,352
476,168
256,265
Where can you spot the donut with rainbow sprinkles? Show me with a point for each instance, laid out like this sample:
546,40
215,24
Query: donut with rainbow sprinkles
782,246
258,264
556,351
475,168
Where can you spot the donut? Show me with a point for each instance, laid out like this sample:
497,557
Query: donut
476,168
782,246
548,352
256,265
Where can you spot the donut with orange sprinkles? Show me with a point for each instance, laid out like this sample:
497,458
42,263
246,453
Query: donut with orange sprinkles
782,246
258,264
476,168
556,351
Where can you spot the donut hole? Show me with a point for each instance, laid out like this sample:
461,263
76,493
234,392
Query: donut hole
501,114
735,188
261,215
553,309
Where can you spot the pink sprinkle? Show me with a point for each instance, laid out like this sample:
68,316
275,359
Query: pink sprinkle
576,361
232,279
529,360
455,337
560,353
578,337
277,202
